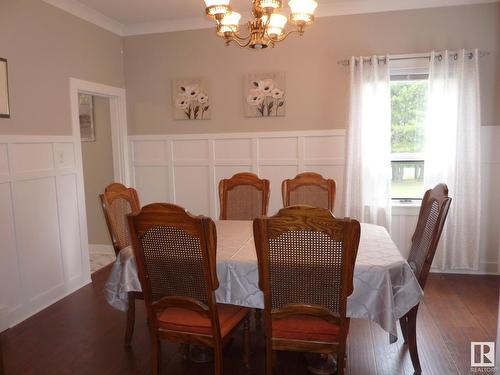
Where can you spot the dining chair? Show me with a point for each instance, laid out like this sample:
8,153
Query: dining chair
309,188
306,262
117,202
176,261
243,197
431,219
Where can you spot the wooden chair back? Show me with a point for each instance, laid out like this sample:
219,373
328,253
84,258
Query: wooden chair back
306,263
309,189
243,197
175,255
118,201
431,219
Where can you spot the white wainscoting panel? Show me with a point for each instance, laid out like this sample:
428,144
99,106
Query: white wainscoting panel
404,221
42,257
186,169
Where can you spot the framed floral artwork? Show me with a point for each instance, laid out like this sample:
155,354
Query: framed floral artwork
265,95
191,100
86,115
4,90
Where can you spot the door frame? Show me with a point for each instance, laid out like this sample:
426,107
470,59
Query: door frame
121,169
118,110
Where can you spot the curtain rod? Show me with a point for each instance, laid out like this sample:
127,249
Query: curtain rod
346,62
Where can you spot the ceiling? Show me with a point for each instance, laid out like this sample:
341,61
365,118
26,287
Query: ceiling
132,17
133,11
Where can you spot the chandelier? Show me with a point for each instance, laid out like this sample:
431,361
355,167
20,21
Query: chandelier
267,26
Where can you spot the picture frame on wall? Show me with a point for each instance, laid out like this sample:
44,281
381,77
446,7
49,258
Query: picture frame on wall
191,99
265,95
86,115
4,89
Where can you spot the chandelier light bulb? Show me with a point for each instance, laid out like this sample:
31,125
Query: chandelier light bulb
269,4
267,25
276,25
302,11
217,8
211,3
229,23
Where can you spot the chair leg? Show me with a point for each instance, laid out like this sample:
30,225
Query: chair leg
155,355
341,360
129,331
218,360
412,339
269,359
246,339
403,322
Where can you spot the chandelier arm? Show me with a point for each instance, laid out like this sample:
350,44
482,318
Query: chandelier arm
237,36
264,28
242,45
298,30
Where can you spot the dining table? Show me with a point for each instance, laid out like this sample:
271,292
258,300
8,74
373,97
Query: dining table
385,287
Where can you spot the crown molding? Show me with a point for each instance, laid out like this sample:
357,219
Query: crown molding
346,7
86,13
338,8
181,24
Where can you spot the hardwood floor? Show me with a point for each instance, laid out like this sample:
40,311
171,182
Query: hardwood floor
83,335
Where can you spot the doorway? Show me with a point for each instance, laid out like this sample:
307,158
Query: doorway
97,161
99,129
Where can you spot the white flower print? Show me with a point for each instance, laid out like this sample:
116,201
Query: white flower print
202,98
255,97
182,102
277,93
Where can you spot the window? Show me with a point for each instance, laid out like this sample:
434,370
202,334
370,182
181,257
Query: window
408,108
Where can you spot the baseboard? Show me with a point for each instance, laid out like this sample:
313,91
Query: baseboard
485,268
101,249
17,316
4,322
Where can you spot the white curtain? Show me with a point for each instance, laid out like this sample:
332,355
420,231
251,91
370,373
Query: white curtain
452,153
368,153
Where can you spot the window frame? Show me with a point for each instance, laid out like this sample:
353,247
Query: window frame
400,71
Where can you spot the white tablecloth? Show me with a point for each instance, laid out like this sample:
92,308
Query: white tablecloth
385,287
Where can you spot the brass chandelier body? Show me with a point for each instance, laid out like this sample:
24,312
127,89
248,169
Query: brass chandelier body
267,26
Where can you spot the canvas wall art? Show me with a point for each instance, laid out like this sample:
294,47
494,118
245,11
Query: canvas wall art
86,114
265,95
191,100
4,90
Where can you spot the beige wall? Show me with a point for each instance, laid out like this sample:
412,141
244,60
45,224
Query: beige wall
97,160
44,47
317,88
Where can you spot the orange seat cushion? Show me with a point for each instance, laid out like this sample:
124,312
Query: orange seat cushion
304,327
185,320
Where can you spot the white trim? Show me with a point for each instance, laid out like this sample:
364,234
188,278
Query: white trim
275,134
117,101
101,249
4,318
91,15
346,7
337,8
483,270
36,138
168,26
